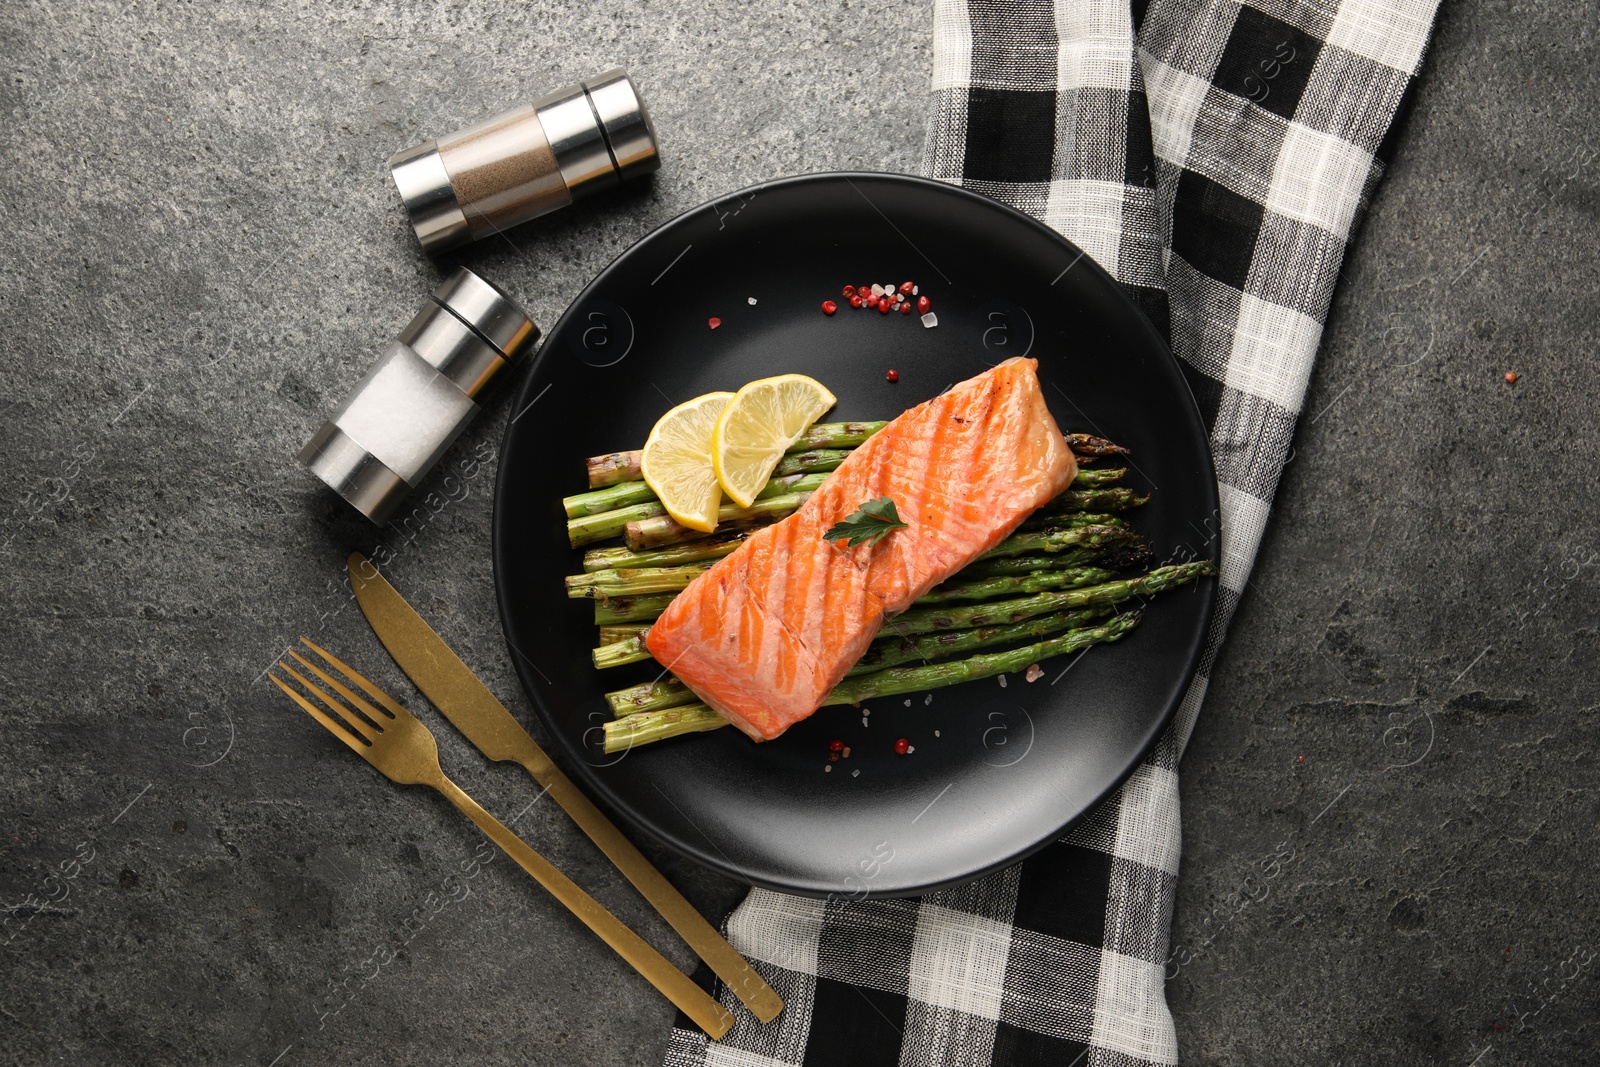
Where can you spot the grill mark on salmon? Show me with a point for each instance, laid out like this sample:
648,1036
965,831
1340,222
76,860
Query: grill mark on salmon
766,632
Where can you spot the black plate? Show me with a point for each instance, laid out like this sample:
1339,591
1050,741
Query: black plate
997,771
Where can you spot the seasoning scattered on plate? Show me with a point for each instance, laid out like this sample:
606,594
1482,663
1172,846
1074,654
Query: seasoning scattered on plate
883,299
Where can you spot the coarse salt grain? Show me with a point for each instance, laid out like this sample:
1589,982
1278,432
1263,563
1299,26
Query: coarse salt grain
1002,681
930,320
751,299
855,774
927,700
863,721
908,702
936,733
827,768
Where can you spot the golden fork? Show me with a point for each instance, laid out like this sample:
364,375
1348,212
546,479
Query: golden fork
395,742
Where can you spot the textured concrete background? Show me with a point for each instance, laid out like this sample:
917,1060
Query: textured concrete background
1390,802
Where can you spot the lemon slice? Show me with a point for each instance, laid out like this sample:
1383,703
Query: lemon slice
761,421
676,461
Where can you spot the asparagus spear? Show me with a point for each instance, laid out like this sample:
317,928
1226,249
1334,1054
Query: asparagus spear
818,460
610,635
1120,557
1043,520
648,532
1057,540
621,653
624,494
924,617
1005,565
1090,479
614,467
634,730
897,680
894,649
609,498
602,559
1087,444
624,466
952,617
643,535
791,491
1112,498
674,554
1004,585
885,652
631,731
633,650
632,581
669,692
642,608
587,528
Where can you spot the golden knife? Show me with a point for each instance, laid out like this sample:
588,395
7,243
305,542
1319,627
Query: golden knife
452,687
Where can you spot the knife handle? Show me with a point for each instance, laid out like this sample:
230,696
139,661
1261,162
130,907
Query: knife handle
676,986
723,959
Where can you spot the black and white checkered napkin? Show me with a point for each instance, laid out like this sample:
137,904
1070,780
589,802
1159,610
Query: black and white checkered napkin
1214,160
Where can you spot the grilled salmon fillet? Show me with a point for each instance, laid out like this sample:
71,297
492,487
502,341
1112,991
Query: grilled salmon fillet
765,633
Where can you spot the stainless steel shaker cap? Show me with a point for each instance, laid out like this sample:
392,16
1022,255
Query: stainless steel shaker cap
629,132
410,407
486,308
430,200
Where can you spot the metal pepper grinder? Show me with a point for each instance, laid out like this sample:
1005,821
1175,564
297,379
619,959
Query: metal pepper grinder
419,396
526,162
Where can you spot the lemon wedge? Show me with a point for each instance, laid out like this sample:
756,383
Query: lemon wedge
761,421
676,461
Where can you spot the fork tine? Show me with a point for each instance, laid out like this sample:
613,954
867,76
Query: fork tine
389,703
357,723
323,717
377,717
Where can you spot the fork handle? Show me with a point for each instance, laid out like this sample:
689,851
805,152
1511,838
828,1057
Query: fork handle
676,986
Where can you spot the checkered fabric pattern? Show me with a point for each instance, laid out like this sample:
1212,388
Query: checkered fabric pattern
1214,158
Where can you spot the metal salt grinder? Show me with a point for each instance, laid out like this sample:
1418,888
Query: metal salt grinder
526,162
420,394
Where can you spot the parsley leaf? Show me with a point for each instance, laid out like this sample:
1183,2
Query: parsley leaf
875,520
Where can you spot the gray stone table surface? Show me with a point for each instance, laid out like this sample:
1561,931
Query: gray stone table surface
1390,802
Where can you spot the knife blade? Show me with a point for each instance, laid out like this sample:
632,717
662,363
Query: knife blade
469,705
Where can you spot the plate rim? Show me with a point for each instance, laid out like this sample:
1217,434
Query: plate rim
597,786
